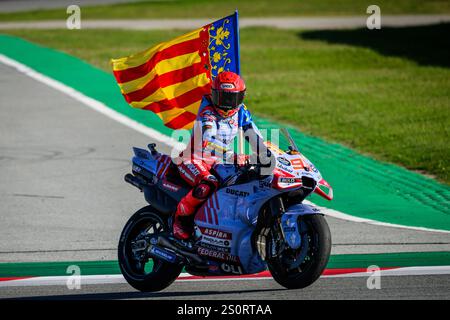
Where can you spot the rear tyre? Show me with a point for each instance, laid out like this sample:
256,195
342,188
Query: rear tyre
315,230
143,273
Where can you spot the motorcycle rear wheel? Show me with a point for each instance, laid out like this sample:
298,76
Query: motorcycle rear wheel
142,275
315,261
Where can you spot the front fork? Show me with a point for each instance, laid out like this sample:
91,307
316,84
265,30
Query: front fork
267,227
280,226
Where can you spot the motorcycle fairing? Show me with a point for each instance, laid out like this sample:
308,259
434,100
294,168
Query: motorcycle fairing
144,159
292,167
142,153
234,211
159,192
295,164
158,166
320,192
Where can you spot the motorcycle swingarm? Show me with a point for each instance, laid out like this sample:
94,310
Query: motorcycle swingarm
160,247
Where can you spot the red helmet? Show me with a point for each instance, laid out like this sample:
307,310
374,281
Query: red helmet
228,91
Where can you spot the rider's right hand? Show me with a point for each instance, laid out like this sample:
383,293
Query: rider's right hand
242,160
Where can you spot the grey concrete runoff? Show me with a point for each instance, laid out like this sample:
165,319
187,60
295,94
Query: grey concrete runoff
313,23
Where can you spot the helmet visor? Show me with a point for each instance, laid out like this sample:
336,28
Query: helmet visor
227,100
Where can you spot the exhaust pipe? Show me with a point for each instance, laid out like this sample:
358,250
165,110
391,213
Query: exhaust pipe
167,244
134,181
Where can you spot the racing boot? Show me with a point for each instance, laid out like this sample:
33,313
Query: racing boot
183,224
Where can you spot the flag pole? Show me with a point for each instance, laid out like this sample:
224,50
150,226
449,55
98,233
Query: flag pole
237,40
238,67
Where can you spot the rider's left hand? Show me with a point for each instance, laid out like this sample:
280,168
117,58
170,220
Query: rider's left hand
242,159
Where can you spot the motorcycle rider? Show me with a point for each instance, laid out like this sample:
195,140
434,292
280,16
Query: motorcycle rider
220,117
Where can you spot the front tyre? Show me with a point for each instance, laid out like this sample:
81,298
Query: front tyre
140,271
314,253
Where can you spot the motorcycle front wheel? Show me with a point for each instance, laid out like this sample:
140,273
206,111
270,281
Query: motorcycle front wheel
140,271
295,269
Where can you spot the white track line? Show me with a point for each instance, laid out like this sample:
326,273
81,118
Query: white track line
404,271
64,280
101,279
343,216
156,135
119,279
92,103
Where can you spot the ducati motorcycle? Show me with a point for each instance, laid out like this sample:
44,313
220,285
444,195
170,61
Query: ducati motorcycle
253,222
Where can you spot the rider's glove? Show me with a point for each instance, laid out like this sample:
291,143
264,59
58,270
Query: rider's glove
241,159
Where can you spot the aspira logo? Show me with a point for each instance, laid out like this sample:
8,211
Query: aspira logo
238,193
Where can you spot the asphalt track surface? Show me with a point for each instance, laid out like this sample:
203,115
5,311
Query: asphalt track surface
63,199
401,287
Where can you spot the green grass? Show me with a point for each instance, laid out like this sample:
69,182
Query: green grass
217,8
384,93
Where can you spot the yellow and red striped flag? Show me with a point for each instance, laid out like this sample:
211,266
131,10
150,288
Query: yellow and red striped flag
171,78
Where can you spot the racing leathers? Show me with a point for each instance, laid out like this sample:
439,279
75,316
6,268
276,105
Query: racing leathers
210,143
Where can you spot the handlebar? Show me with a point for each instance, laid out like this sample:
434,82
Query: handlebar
250,171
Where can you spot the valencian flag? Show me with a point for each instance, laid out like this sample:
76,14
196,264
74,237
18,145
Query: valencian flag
171,78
